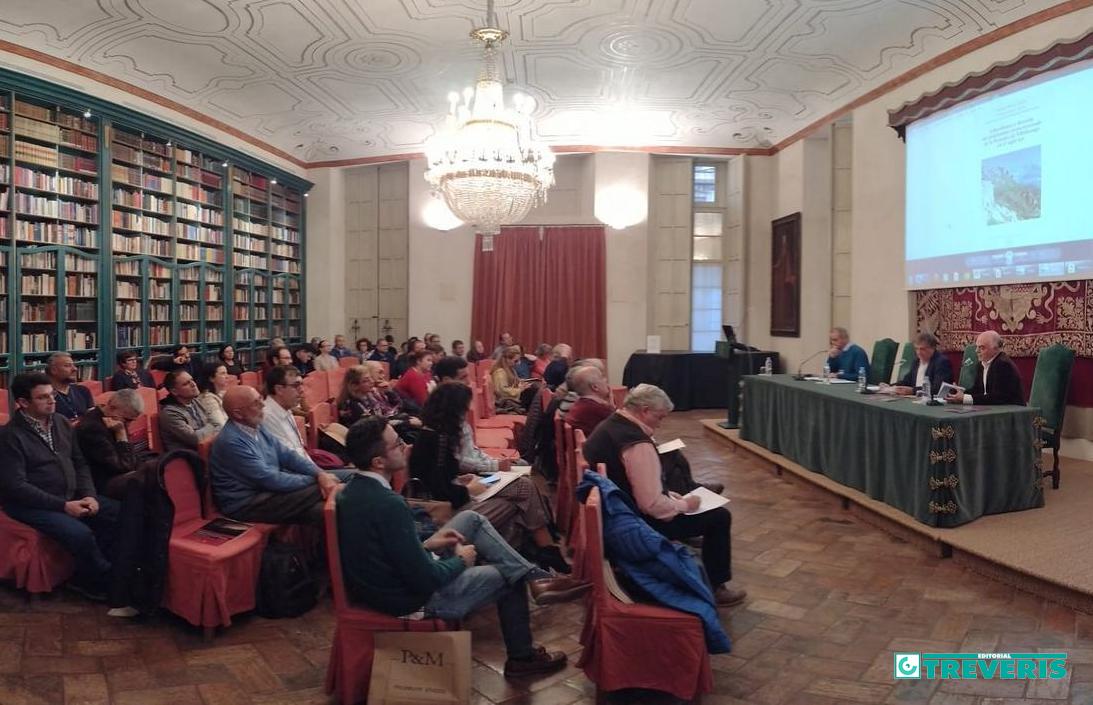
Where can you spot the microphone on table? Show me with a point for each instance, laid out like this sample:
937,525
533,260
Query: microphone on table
800,377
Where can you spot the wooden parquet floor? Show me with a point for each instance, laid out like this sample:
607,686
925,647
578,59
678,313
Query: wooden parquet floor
830,599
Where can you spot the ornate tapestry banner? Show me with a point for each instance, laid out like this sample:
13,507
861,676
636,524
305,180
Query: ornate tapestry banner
1028,316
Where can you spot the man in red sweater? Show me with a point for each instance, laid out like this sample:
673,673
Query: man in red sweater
594,403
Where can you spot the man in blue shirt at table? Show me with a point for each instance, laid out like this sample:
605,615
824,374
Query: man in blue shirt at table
845,358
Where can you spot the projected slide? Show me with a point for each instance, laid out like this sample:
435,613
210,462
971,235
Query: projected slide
1000,189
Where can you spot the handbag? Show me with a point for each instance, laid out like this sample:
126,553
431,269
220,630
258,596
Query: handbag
421,668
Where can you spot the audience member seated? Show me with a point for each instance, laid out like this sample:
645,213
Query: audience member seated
432,342
303,359
324,361
997,380
130,374
459,349
364,349
543,357
72,399
449,370
504,341
104,443
182,421
382,353
929,365
275,343
279,355
387,568
522,365
624,443
507,387
178,359
47,484
406,360
477,352
388,399
554,374
845,358
213,382
518,511
226,355
257,478
340,349
594,403
414,384
283,391
360,397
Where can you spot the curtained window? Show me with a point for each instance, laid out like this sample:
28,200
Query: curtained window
544,285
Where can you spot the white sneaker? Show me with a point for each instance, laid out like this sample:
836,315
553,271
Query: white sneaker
126,612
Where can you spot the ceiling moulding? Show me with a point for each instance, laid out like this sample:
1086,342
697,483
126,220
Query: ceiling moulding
126,87
1000,75
1038,18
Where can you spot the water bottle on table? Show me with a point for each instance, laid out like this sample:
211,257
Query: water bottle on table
926,392
827,373
768,368
861,380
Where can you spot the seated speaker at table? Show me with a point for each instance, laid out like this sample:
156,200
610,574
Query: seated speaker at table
845,358
929,364
997,380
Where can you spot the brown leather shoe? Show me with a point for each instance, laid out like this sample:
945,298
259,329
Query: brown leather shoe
727,596
559,589
541,662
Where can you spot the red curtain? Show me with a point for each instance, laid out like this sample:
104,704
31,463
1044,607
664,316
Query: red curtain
543,285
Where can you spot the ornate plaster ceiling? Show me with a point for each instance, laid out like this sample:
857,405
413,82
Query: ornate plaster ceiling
341,79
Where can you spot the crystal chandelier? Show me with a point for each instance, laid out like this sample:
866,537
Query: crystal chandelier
483,161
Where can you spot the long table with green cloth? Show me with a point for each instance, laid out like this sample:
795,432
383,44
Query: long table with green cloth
943,465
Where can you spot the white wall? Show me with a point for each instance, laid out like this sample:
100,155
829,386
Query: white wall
326,253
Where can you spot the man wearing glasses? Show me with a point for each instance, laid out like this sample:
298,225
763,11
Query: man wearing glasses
284,388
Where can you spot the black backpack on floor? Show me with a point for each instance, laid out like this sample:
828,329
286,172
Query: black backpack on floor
286,587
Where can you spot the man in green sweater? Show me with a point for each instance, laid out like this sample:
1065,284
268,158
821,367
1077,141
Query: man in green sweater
387,568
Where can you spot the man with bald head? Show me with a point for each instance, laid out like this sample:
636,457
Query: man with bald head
593,403
256,477
997,380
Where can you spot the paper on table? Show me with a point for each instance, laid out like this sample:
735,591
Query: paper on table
668,447
842,381
504,479
708,500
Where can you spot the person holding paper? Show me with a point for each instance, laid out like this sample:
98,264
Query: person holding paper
997,380
625,445
845,358
930,364
518,512
387,568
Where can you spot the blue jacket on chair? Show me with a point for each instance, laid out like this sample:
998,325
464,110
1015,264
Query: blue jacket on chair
667,571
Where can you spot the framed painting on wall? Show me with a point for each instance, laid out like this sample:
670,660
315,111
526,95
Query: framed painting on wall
785,277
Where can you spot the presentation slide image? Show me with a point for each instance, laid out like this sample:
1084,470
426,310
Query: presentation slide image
1048,262
1011,186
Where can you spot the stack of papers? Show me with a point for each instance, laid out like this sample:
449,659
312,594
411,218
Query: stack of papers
709,500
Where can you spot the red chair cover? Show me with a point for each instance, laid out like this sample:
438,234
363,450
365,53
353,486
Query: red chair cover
158,376
563,500
3,418
618,394
319,416
155,441
350,361
316,388
575,468
31,561
350,665
639,645
92,385
250,379
335,379
206,584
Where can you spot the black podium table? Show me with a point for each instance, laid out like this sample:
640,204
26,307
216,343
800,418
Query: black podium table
692,380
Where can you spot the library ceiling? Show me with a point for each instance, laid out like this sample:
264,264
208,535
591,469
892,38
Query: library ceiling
340,79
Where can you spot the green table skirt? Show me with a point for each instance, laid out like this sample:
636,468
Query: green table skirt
942,468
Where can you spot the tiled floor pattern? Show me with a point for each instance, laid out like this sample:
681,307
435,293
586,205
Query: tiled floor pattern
831,598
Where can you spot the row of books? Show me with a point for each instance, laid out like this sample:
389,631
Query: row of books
286,234
207,216
159,312
240,259
141,222
193,173
60,117
191,192
45,233
188,292
285,250
61,185
159,290
75,339
286,266
189,231
127,290
199,253
48,260
29,204
138,143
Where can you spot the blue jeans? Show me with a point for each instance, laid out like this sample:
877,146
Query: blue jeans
90,540
501,581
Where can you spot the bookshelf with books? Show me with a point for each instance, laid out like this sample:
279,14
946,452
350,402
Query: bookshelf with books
184,234
57,302
285,294
201,306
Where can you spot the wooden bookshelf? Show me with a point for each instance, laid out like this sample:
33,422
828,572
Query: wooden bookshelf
198,235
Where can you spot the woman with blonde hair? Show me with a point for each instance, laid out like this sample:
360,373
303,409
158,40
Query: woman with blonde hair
507,386
360,397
